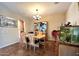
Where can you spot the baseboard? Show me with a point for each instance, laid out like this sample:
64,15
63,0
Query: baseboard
9,45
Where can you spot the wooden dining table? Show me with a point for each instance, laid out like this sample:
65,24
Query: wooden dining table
39,37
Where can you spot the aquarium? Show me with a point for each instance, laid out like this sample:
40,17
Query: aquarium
69,34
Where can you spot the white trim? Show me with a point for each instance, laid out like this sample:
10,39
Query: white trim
8,44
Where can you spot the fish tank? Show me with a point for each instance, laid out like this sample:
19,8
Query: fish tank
69,34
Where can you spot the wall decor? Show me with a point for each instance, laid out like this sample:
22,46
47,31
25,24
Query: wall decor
7,22
41,26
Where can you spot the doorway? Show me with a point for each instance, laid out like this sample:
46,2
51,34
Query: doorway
21,26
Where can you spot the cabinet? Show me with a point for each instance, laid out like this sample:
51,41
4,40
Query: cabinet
66,50
69,34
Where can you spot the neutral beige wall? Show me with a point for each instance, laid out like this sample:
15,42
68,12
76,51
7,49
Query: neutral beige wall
73,14
29,25
54,22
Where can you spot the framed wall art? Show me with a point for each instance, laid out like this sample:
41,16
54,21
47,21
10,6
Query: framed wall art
7,22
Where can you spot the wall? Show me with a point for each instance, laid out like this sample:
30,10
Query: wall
29,25
8,36
54,22
73,14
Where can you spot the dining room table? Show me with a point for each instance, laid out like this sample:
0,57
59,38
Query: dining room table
39,38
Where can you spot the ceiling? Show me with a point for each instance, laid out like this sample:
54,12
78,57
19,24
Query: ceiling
27,9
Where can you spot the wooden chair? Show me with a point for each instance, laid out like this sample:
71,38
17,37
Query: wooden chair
32,41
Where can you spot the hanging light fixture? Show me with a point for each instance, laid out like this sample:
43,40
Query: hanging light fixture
37,16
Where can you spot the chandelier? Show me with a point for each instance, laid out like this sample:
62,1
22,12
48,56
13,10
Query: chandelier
36,16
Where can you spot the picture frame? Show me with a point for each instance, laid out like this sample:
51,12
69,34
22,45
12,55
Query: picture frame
8,22
41,26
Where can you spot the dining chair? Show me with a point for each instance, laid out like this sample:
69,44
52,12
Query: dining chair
32,42
27,41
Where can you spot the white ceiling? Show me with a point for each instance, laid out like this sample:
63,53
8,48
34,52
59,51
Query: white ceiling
28,8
